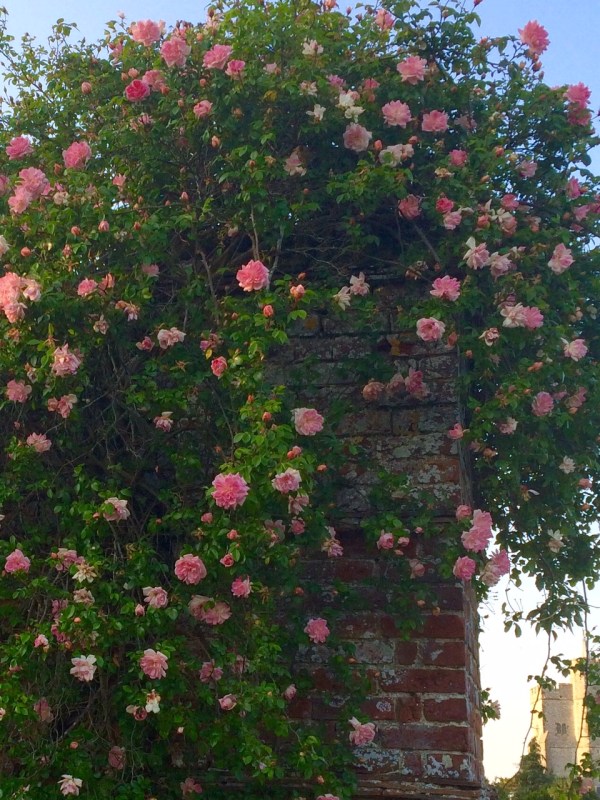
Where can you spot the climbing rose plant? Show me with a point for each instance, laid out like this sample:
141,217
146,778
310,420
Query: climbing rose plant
176,204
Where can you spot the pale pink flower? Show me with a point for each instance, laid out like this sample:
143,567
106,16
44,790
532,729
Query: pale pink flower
288,481
317,630
567,465
297,526
573,189
39,442
396,113
190,569
293,164
527,168
169,337
446,288
435,122
118,510
458,158
235,69
477,256
175,51
363,733
65,362
217,57
84,668
19,147
456,432
230,490
146,32
396,153
77,155
18,391
578,94
496,567
430,329
70,785
332,545
154,664
328,796
532,317
307,421
202,109
357,138
213,613
343,298
65,558
290,692
509,426
151,270
410,207
83,596
137,90
17,561
480,533
464,568
210,672
385,541
163,422
462,512
358,285
452,220
43,710
156,81
412,69
542,404
34,182
383,19
535,36
190,786
146,344
253,276
310,47
500,264
63,406
116,757
155,596
241,587
40,641
561,259
228,702
86,287
576,349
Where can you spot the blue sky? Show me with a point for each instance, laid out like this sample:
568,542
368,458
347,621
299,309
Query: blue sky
572,57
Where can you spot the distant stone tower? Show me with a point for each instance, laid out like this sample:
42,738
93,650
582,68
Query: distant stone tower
562,731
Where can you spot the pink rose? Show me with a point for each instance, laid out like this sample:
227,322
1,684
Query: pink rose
535,36
190,786
435,122
230,490
18,391
458,158
412,69
357,138
410,207
156,81
496,567
363,733
542,404
86,287
146,31
456,432
155,596
118,510
317,630
578,94
385,541
235,69
576,350
462,512
77,155
154,664
17,562
253,276
175,51
228,702
210,672
452,220
464,568
163,421
527,168
39,442
480,533
34,182
70,785
218,366
137,90
241,587
217,56
290,692
169,337
288,481
307,421
84,668
446,288
206,610
190,569
430,329
396,113
202,109
561,259
116,757
19,147
385,21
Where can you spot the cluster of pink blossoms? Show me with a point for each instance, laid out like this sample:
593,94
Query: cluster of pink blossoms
13,290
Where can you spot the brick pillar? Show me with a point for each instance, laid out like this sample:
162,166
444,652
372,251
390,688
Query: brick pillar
425,691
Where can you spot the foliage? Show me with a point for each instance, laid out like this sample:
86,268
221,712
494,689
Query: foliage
176,205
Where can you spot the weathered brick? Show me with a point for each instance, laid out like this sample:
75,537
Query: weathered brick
423,680
444,654
444,626
450,709
450,738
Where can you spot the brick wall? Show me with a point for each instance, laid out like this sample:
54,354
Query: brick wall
424,691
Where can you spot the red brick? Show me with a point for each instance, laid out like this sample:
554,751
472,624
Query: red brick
443,626
444,654
406,653
449,738
423,680
451,709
